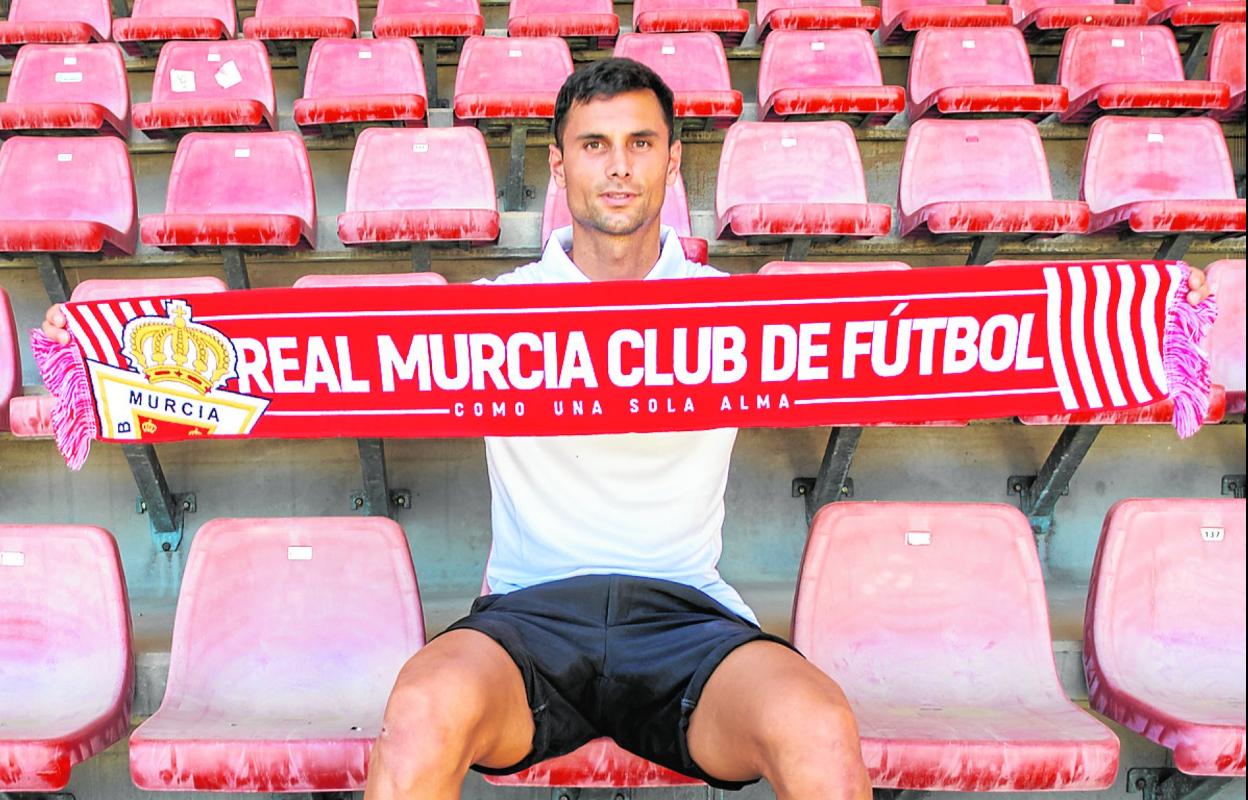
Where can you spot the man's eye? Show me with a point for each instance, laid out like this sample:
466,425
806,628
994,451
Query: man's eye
593,145
641,144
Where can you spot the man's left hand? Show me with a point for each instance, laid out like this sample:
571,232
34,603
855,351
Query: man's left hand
1198,286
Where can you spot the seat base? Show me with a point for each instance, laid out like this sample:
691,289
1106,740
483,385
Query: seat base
415,26
1029,102
730,24
130,32
1154,97
999,217
30,416
1203,15
62,236
414,226
915,19
866,105
87,117
599,764
820,19
282,29
158,120
1165,217
1057,19
15,34
723,107
510,105
601,28
310,114
802,220
171,231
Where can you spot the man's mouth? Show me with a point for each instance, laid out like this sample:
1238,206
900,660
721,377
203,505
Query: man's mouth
618,198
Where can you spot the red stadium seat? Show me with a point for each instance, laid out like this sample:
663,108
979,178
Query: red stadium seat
974,71
932,617
1163,638
433,18
675,214
591,21
209,86
54,22
153,22
398,190
696,69
10,360
73,195
289,20
1185,13
1130,69
676,16
902,18
828,267
961,177
65,652
796,180
510,78
358,81
814,15
825,74
1226,64
347,281
1043,18
1226,341
288,637
251,190
68,87
600,763
1161,176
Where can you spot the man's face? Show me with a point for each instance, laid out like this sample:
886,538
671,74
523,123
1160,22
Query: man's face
616,163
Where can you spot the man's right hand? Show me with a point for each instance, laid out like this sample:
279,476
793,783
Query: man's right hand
54,323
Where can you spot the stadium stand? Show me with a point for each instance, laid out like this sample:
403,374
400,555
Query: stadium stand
675,214
814,15
795,181
1187,13
59,22
952,680
584,23
1226,65
1046,19
68,87
153,22
1130,70
209,86
65,640
977,72
10,361
278,21
1156,659
218,199
695,67
721,17
981,179
335,603
356,82
825,75
1226,340
1161,177
900,19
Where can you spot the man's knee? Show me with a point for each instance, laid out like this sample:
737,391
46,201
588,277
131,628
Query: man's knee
816,743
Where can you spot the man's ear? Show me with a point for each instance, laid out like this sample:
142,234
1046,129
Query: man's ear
555,158
673,163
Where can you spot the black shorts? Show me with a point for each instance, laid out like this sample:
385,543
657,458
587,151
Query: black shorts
613,655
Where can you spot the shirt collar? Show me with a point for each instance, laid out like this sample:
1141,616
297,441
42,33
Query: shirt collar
560,269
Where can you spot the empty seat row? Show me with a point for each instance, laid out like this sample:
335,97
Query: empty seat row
958,668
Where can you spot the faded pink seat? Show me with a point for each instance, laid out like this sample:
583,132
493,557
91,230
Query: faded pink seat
68,87
1226,340
10,359
153,22
1044,18
721,17
65,652
54,22
932,617
433,18
1193,13
1227,65
814,15
510,78
288,637
829,267
376,279
825,75
361,81
1163,639
600,763
902,18
292,20
794,180
66,195
675,214
694,66
977,72
592,21
209,86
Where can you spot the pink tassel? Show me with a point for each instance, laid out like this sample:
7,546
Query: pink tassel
1185,359
73,414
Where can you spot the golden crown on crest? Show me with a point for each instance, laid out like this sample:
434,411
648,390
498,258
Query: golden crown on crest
175,349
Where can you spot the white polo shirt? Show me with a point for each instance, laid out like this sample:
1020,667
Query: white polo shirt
648,504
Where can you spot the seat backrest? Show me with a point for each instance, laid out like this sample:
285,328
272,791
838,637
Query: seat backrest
96,13
303,614
346,9
890,9
817,59
242,173
946,57
85,178
72,73
1166,608
687,62
1226,56
65,645
958,160
222,10
497,64
789,162
10,359
1093,56
1226,340
910,602
347,281
96,289
356,67
675,212
391,7
233,70
522,8
397,169
1133,159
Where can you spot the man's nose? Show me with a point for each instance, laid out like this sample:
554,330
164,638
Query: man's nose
620,165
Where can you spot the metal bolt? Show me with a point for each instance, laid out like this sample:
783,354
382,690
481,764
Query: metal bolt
142,508
801,490
357,502
1018,487
1140,783
186,505
845,490
166,546
620,796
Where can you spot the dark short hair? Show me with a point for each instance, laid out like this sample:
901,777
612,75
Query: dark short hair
606,79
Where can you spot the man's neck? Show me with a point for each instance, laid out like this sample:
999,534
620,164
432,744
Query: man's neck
602,257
